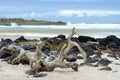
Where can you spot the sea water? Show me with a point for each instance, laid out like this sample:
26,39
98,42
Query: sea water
38,31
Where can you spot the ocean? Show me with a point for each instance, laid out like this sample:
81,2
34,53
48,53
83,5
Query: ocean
38,31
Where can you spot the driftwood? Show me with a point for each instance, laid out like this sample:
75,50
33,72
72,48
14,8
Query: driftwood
38,65
111,52
66,48
60,62
36,60
44,65
13,50
29,56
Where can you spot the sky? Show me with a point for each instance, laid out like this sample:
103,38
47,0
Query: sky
74,11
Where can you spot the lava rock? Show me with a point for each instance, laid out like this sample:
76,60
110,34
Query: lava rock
5,42
87,64
112,40
112,45
4,55
75,50
106,68
30,72
8,41
46,49
56,41
72,55
39,75
98,54
88,50
29,47
92,46
71,58
86,39
2,44
62,37
91,60
102,47
20,39
8,59
103,62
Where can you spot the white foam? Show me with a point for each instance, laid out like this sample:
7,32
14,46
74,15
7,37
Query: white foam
29,34
78,26
46,26
96,26
13,24
69,26
14,36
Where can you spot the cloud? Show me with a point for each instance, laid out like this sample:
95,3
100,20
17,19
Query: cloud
30,15
88,13
64,14
34,14
23,15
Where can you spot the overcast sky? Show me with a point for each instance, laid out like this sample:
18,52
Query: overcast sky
74,11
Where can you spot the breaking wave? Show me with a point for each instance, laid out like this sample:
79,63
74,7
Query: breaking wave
68,26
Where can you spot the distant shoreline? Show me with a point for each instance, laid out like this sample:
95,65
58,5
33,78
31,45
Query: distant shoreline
20,21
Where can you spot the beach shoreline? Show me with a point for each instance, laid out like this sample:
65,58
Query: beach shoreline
39,33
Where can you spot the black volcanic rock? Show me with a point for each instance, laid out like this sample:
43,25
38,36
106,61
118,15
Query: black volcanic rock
113,45
55,41
86,39
20,39
39,75
30,72
103,62
8,59
110,39
46,49
98,54
72,55
88,50
106,68
63,37
5,42
91,60
4,55
29,47
8,41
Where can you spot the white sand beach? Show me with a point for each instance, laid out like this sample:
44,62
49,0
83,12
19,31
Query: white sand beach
17,72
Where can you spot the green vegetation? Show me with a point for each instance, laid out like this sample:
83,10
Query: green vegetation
28,42
20,21
54,47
